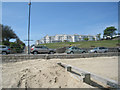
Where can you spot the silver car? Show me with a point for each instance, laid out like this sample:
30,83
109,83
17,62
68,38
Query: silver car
73,50
99,50
4,49
41,49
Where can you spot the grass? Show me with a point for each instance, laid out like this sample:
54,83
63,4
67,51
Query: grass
84,44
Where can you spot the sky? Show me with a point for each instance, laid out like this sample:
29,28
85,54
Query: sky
84,18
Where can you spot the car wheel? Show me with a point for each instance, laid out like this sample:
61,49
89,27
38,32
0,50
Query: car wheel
71,52
95,52
105,51
83,52
35,52
51,52
4,53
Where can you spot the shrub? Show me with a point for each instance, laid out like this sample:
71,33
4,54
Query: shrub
16,48
118,44
7,43
92,46
86,39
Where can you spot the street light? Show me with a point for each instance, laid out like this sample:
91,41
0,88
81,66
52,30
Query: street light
29,27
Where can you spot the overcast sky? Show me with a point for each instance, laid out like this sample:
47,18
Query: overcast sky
84,18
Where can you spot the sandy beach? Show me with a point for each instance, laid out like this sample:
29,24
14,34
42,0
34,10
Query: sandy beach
42,73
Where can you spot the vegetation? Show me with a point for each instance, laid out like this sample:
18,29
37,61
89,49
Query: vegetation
109,31
99,35
93,39
16,47
7,35
84,44
86,39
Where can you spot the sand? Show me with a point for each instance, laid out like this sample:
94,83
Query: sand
47,74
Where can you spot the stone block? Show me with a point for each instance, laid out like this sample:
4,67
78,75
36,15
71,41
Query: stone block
69,68
86,78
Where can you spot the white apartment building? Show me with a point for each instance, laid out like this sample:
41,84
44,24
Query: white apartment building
66,38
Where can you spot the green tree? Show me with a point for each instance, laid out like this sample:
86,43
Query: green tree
99,36
109,31
93,39
65,40
7,33
22,45
86,39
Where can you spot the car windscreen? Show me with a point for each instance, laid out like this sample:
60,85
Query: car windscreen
103,48
3,46
95,48
44,47
38,46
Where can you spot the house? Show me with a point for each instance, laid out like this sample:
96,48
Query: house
66,38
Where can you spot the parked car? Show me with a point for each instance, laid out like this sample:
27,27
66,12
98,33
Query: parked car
41,49
118,49
73,50
4,50
99,50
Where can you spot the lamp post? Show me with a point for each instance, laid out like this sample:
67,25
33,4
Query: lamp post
29,27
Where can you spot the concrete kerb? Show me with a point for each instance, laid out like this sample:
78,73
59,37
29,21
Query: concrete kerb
87,76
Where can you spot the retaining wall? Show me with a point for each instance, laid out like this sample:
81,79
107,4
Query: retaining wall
17,58
62,50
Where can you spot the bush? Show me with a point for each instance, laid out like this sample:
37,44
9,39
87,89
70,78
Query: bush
13,50
7,43
14,45
86,39
16,48
92,46
118,44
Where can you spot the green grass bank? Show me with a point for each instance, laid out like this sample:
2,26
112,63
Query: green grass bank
84,44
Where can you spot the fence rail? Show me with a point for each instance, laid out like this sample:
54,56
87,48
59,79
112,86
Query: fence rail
88,76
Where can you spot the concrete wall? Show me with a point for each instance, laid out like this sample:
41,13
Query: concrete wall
17,58
62,50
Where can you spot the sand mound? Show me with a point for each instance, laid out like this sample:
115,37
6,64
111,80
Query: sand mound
38,74
47,74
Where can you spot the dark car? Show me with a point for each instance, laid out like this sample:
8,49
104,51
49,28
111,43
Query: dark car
118,49
41,49
73,50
